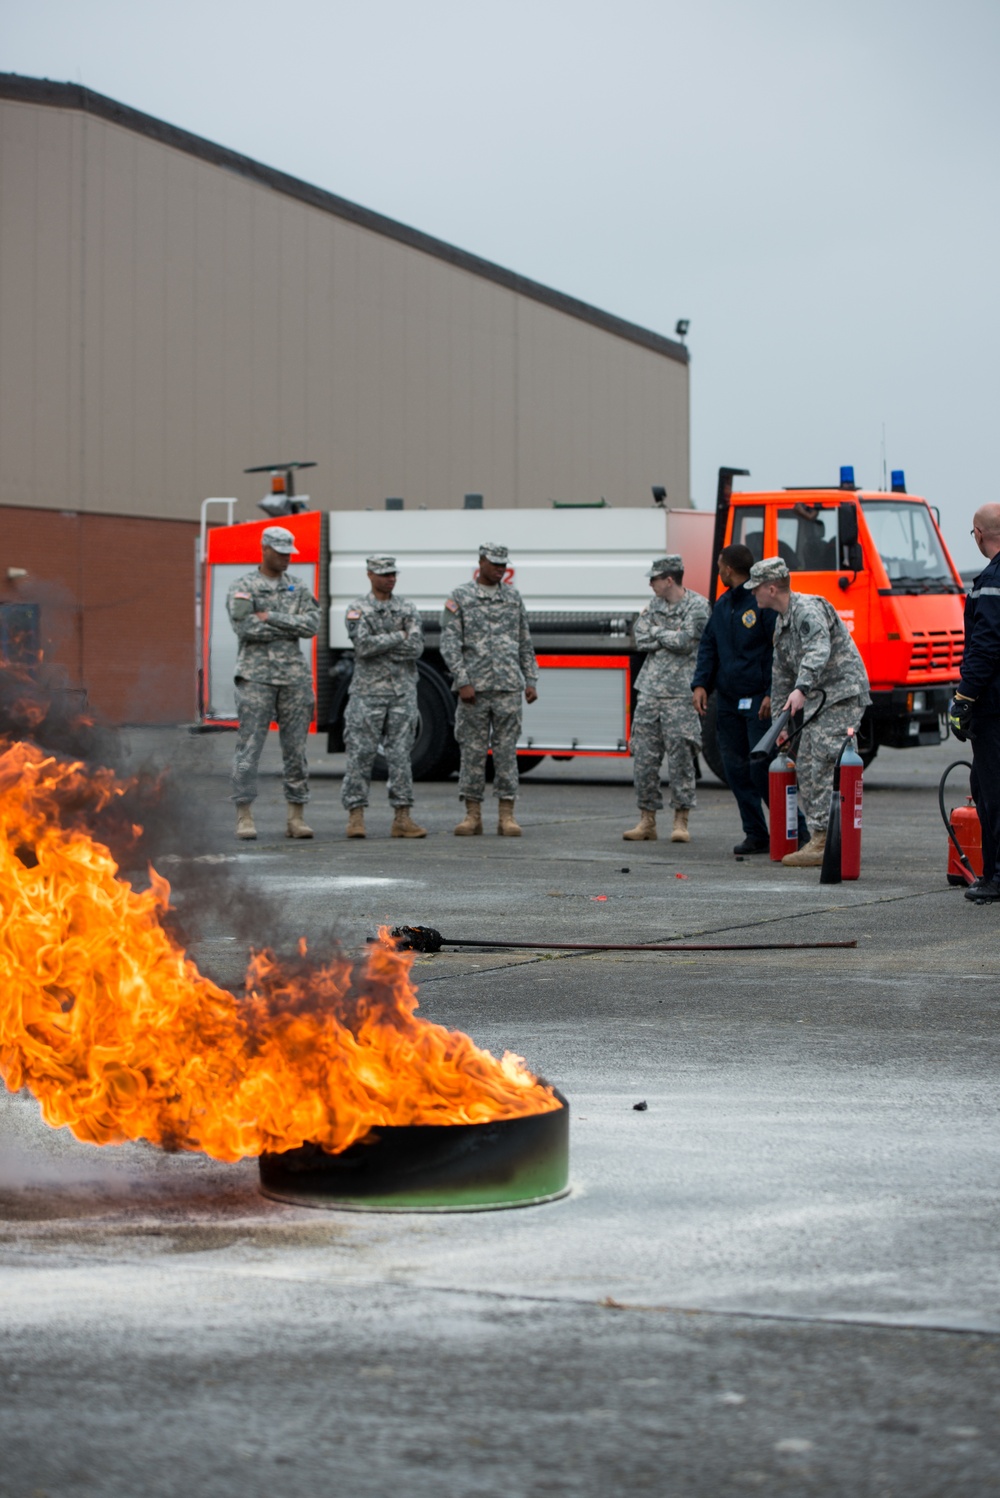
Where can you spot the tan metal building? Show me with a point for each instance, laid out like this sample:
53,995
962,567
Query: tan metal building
172,312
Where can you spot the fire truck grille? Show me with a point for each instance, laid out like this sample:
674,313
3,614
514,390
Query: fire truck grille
936,653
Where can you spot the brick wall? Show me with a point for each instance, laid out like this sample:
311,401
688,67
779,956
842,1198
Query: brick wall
117,599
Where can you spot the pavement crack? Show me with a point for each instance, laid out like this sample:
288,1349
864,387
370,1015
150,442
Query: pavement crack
610,1303
799,915
796,915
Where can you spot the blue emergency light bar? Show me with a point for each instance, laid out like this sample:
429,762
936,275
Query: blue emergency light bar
847,476
898,481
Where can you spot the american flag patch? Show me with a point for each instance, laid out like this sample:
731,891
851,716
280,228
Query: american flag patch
354,613
451,605
242,595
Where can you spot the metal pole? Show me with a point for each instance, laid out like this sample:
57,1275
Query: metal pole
199,588
427,939
723,495
609,946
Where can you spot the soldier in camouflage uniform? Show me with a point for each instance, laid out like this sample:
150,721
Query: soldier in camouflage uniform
665,721
813,655
388,641
486,645
271,613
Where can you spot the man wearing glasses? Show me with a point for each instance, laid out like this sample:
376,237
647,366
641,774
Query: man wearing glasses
974,711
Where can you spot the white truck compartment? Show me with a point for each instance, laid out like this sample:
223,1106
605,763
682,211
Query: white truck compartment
570,561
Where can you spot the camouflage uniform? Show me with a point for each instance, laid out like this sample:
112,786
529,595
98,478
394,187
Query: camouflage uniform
273,678
814,652
486,644
665,722
388,641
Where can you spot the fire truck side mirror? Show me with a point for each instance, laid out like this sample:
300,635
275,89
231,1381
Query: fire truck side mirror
851,555
848,523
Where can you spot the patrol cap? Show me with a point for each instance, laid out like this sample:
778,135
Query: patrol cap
664,565
381,566
770,570
496,554
279,539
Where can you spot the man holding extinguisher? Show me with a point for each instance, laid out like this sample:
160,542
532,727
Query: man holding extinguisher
816,669
974,711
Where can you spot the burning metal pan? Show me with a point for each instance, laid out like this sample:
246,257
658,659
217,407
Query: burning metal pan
516,1162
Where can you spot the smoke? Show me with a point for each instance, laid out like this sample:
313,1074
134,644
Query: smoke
147,814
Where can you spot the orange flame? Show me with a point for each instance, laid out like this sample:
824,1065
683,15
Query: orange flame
119,1036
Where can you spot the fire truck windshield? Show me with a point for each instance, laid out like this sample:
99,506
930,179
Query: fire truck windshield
908,545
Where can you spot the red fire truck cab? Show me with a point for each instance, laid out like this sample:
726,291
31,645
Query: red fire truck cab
880,558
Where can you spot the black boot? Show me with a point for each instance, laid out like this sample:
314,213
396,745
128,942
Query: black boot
752,845
983,892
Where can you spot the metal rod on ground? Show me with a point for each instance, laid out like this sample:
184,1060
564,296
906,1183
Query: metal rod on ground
426,939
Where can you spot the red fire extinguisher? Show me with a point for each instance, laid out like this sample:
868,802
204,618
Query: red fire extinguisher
783,807
965,834
842,854
969,836
851,773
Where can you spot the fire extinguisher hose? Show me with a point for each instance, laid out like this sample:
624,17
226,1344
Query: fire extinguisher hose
967,869
792,742
765,747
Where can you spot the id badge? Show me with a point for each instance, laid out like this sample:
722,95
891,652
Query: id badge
744,705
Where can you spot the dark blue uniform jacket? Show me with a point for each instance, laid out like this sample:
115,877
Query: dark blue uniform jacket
734,654
981,662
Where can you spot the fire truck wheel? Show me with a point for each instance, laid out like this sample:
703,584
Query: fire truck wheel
435,753
710,742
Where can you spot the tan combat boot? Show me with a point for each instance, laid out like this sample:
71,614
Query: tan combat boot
296,826
403,824
356,822
680,833
809,857
244,822
472,823
506,826
644,830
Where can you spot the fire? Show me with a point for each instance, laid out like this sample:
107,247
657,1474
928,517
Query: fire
111,1026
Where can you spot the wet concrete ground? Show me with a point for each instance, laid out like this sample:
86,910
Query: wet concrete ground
782,1276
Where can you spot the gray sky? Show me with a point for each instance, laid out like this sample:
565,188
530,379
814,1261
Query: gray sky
814,186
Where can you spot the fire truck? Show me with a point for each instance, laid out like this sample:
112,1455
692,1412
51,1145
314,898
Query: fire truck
878,556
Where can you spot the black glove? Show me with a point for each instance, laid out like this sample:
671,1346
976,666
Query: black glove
959,717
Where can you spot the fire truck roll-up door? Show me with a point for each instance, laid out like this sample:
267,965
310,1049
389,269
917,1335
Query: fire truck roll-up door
582,707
